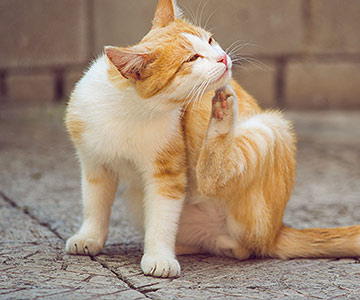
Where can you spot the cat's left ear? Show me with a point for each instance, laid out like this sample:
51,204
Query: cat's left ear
129,61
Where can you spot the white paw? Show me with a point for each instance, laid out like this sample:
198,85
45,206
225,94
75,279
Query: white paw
160,266
83,245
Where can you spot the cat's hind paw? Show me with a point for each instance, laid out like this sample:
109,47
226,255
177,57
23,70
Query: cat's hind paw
223,102
83,245
158,266
224,111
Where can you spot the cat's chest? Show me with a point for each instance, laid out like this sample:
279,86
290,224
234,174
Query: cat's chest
132,138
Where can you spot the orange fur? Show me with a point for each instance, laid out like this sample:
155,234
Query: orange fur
169,58
171,169
75,126
246,166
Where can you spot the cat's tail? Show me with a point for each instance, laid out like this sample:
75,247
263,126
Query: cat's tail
307,243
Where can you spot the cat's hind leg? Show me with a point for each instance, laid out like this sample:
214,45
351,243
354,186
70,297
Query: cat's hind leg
203,229
98,188
215,165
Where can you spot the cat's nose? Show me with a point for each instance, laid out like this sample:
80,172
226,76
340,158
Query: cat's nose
223,59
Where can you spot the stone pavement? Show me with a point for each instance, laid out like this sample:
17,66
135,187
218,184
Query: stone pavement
40,208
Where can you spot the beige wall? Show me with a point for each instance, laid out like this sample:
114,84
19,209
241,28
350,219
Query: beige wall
303,53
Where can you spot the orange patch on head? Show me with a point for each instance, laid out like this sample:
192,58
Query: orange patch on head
169,50
116,78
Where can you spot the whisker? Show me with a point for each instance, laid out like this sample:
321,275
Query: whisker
202,12
234,44
188,99
211,29
198,102
236,48
209,18
190,12
252,61
197,13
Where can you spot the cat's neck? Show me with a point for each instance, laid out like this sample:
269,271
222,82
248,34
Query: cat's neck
155,107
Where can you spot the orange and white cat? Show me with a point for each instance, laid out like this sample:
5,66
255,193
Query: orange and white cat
205,172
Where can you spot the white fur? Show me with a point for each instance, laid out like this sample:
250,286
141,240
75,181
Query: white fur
207,73
124,133
123,130
178,12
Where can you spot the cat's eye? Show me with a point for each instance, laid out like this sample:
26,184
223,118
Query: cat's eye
193,58
211,40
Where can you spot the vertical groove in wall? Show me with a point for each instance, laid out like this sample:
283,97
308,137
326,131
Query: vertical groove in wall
280,83
59,85
3,90
308,24
90,28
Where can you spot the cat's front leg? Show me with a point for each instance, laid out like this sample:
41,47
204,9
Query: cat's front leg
98,191
164,196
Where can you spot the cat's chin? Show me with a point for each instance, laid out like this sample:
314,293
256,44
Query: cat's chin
222,81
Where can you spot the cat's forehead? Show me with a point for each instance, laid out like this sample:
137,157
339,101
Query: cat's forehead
196,42
174,32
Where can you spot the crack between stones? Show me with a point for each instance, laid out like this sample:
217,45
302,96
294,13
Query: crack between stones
59,293
127,282
13,204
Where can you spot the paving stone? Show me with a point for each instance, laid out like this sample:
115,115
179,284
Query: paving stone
43,33
314,84
43,206
31,87
33,264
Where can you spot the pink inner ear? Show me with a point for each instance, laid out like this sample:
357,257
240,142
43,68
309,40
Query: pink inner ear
128,62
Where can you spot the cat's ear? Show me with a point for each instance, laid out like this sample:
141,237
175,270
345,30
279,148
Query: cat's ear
165,13
129,61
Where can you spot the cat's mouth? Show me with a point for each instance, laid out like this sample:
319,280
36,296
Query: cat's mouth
224,78
227,72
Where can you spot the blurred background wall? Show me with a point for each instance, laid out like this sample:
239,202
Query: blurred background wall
301,53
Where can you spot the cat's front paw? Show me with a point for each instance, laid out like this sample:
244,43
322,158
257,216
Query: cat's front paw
83,245
159,266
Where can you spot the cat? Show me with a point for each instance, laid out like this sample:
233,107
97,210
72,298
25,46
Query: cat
207,171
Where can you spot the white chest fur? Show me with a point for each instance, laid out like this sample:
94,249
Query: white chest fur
119,124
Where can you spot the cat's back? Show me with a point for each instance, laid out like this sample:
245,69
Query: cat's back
92,87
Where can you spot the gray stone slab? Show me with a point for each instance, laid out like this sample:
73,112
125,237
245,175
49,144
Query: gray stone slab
43,32
332,21
271,27
39,175
322,84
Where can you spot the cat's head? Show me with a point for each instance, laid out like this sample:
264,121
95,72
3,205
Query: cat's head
176,59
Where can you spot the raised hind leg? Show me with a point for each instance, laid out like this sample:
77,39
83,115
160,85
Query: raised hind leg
246,150
249,165
217,164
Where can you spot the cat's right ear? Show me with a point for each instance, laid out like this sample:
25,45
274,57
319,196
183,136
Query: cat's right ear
128,61
165,13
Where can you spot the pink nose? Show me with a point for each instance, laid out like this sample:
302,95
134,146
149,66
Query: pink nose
223,59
